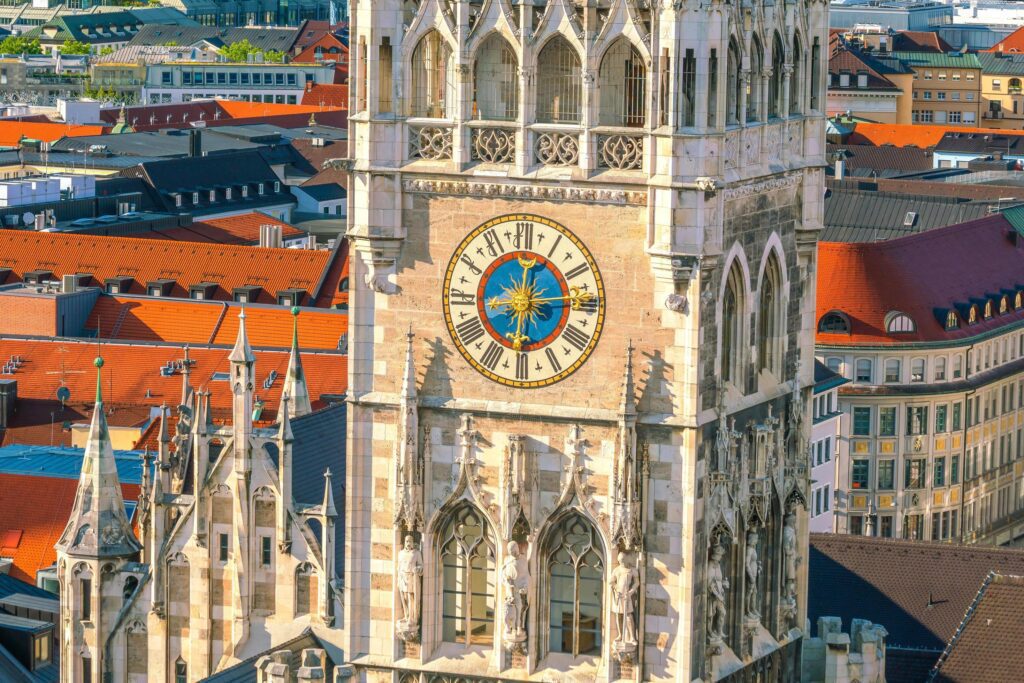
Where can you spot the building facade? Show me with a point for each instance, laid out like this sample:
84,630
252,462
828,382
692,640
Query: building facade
933,435
546,197
252,82
236,549
826,441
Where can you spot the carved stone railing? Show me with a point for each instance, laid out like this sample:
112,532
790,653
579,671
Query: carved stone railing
621,152
430,142
557,149
494,145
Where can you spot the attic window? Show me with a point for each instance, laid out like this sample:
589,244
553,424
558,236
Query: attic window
259,188
1004,305
988,310
245,191
220,377
1017,299
952,322
972,315
195,197
899,323
910,219
213,196
277,186
834,322
177,200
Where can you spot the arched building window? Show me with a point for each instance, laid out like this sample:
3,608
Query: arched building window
899,323
795,84
433,83
575,572
754,82
623,82
735,84
775,83
770,317
559,83
467,579
834,322
732,327
496,81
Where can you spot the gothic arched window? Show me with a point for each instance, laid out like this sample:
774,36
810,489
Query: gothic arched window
467,579
735,85
770,317
559,83
575,572
732,327
433,83
775,92
496,81
623,81
795,85
754,82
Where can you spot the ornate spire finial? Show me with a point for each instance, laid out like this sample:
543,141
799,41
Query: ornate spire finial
99,379
328,507
628,404
295,379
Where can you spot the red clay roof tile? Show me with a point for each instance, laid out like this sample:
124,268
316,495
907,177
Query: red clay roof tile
902,135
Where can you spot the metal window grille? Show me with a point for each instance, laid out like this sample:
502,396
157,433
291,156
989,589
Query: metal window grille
713,89
384,102
623,83
689,89
495,81
795,84
432,81
559,84
754,82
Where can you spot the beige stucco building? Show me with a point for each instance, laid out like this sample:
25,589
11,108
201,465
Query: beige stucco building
580,351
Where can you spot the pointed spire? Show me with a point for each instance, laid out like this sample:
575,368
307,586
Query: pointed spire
186,370
627,406
295,379
98,526
164,436
328,507
242,353
284,432
409,380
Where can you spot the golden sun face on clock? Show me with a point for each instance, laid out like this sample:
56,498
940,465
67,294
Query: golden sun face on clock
523,301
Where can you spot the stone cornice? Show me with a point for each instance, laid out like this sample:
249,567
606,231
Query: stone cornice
526,191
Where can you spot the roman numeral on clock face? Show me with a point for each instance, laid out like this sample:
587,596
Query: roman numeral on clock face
553,360
577,271
574,336
524,236
492,356
494,245
522,367
470,330
460,298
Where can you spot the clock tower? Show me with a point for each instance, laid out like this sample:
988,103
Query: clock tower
583,251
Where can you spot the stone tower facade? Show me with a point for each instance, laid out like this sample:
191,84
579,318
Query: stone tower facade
594,225
227,563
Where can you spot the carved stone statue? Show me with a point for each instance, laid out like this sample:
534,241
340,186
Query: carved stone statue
718,584
410,572
789,555
752,567
516,580
625,584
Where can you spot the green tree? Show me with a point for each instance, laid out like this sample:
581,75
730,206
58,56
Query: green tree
273,56
238,51
16,45
74,47
108,50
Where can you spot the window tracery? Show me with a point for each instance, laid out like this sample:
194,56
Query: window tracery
575,573
467,579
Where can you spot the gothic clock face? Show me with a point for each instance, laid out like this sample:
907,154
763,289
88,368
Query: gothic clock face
523,301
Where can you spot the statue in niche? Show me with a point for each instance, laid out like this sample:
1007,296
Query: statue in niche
516,580
625,585
410,573
789,555
718,584
752,567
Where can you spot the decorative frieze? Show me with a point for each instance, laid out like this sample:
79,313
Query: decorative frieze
538,192
773,183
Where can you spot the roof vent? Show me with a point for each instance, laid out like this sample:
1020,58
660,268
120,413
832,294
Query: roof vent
910,219
269,381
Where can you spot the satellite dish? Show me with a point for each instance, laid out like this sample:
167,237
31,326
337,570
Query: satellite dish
63,395
28,218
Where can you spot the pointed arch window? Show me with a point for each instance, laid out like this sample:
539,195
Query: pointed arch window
795,84
467,579
496,81
433,82
575,573
559,83
770,317
623,83
734,86
732,327
754,82
775,91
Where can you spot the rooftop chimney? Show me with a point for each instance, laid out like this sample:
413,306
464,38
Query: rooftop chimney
195,143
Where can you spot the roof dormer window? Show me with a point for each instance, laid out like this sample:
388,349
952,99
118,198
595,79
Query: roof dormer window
1004,305
195,197
952,322
988,309
834,322
899,323
972,316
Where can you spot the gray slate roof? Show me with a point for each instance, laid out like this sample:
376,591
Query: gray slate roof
323,193
887,161
859,216
245,671
280,39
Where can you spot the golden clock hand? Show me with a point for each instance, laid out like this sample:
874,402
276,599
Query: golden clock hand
517,337
575,297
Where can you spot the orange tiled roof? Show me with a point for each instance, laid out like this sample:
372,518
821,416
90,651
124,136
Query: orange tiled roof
187,263
242,110
902,135
1011,43
326,42
924,276
40,508
11,132
212,322
323,95
242,229
132,375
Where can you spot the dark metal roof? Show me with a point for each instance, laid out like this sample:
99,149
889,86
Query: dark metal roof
281,39
887,161
324,192
860,216
12,586
981,143
825,379
245,671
